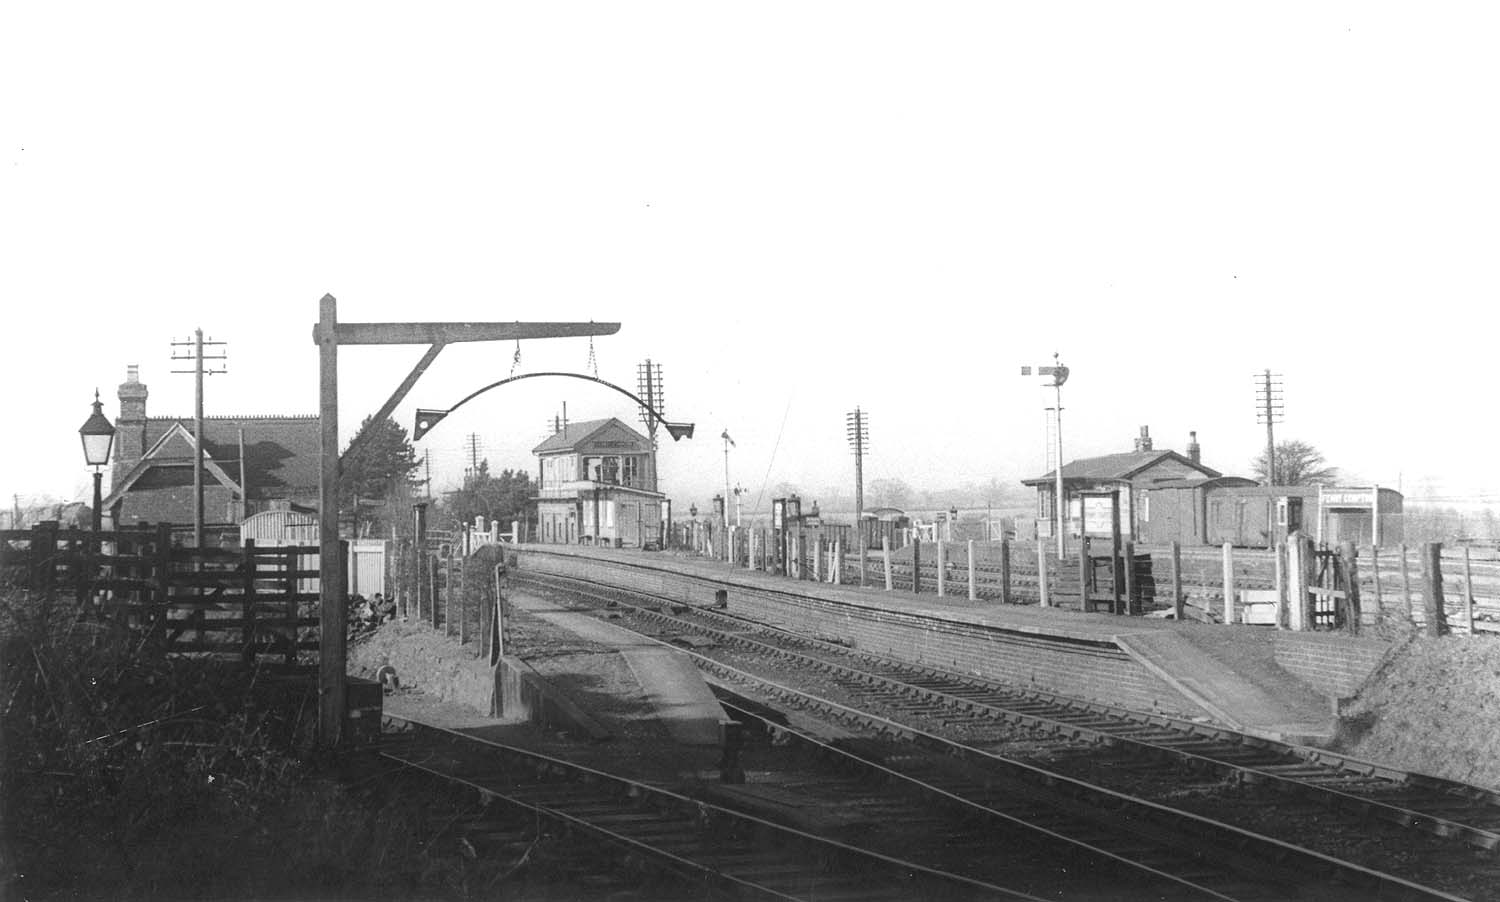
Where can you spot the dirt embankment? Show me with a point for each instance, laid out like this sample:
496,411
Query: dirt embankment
1434,707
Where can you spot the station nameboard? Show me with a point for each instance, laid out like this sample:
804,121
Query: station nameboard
1355,498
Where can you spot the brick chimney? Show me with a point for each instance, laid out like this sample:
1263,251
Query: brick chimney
130,435
1195,453
1143,442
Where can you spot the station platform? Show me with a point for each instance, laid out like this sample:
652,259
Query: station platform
1260,680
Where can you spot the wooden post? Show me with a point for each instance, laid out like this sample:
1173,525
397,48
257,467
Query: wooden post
247,602
432,590
1177,599
1132,591
1114,552
1349,556
837,570
463,604
1432,591
163,581
916,566
289,588
332,610
817,562
1405,585
1468,613
750,552
942,568
1084,568
973,586
1228,583
1041,573
885,554
1375,572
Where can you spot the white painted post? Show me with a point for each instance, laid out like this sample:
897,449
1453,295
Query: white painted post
942,567
885,553
750,558
836,572
818,560
1041,570
1278,554
1297,548
973,589
1228,583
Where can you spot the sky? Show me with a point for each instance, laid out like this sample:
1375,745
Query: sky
794,208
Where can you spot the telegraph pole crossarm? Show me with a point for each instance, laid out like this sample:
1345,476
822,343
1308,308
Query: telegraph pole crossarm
328,334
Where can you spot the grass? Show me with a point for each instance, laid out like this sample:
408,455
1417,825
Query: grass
126,774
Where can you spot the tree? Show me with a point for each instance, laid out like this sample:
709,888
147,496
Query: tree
375,468
503,498
888,492
1297,463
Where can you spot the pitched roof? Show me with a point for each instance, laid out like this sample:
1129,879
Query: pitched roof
282,453
1124,465
575,434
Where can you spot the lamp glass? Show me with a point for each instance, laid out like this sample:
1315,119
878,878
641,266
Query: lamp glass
98,435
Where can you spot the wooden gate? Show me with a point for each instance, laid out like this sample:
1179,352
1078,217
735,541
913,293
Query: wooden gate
1334,595
249,603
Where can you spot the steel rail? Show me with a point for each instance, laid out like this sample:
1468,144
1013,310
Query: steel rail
1481,837
1231,836
639,792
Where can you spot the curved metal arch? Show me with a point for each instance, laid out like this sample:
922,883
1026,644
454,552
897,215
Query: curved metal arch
427,420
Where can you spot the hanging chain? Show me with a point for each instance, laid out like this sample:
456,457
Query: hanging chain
516,360
593,359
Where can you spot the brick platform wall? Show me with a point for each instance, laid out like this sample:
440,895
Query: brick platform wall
1098,671
1335,664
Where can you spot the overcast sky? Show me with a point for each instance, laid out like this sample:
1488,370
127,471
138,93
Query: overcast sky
795,208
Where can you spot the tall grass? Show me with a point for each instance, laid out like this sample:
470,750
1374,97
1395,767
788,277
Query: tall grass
126,774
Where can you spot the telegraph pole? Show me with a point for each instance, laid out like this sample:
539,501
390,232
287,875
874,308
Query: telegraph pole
1269,410
857,425
648,386
196,343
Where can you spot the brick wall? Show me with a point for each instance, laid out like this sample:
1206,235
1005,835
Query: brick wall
1335,664
1098,671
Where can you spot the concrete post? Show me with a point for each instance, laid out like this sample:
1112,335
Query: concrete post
1278,566
818,560
942,568
885,554
916,565
973,588
1405,586
1041,572
1228,583
1300,566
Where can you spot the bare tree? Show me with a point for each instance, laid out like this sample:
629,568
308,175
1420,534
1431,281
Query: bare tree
1297,463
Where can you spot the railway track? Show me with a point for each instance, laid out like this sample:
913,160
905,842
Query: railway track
1133,742
704,850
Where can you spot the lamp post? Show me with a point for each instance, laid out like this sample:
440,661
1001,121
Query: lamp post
98,436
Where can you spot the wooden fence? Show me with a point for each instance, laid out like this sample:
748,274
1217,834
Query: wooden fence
258,605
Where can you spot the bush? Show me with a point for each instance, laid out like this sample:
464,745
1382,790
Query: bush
128,774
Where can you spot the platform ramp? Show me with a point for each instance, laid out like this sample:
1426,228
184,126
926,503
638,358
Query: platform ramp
670,683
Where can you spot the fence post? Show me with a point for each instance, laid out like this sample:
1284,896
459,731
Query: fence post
163,581
817,562
1006,597
432,589
1432,592
1350,557
885,554
1177,600
1132,590
1279,549
1299,576
1375,572
942,568
1468,594
247,602
973,588
1083,572
916,566
1041,572
289,586
1405,585
463,602
1228,583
